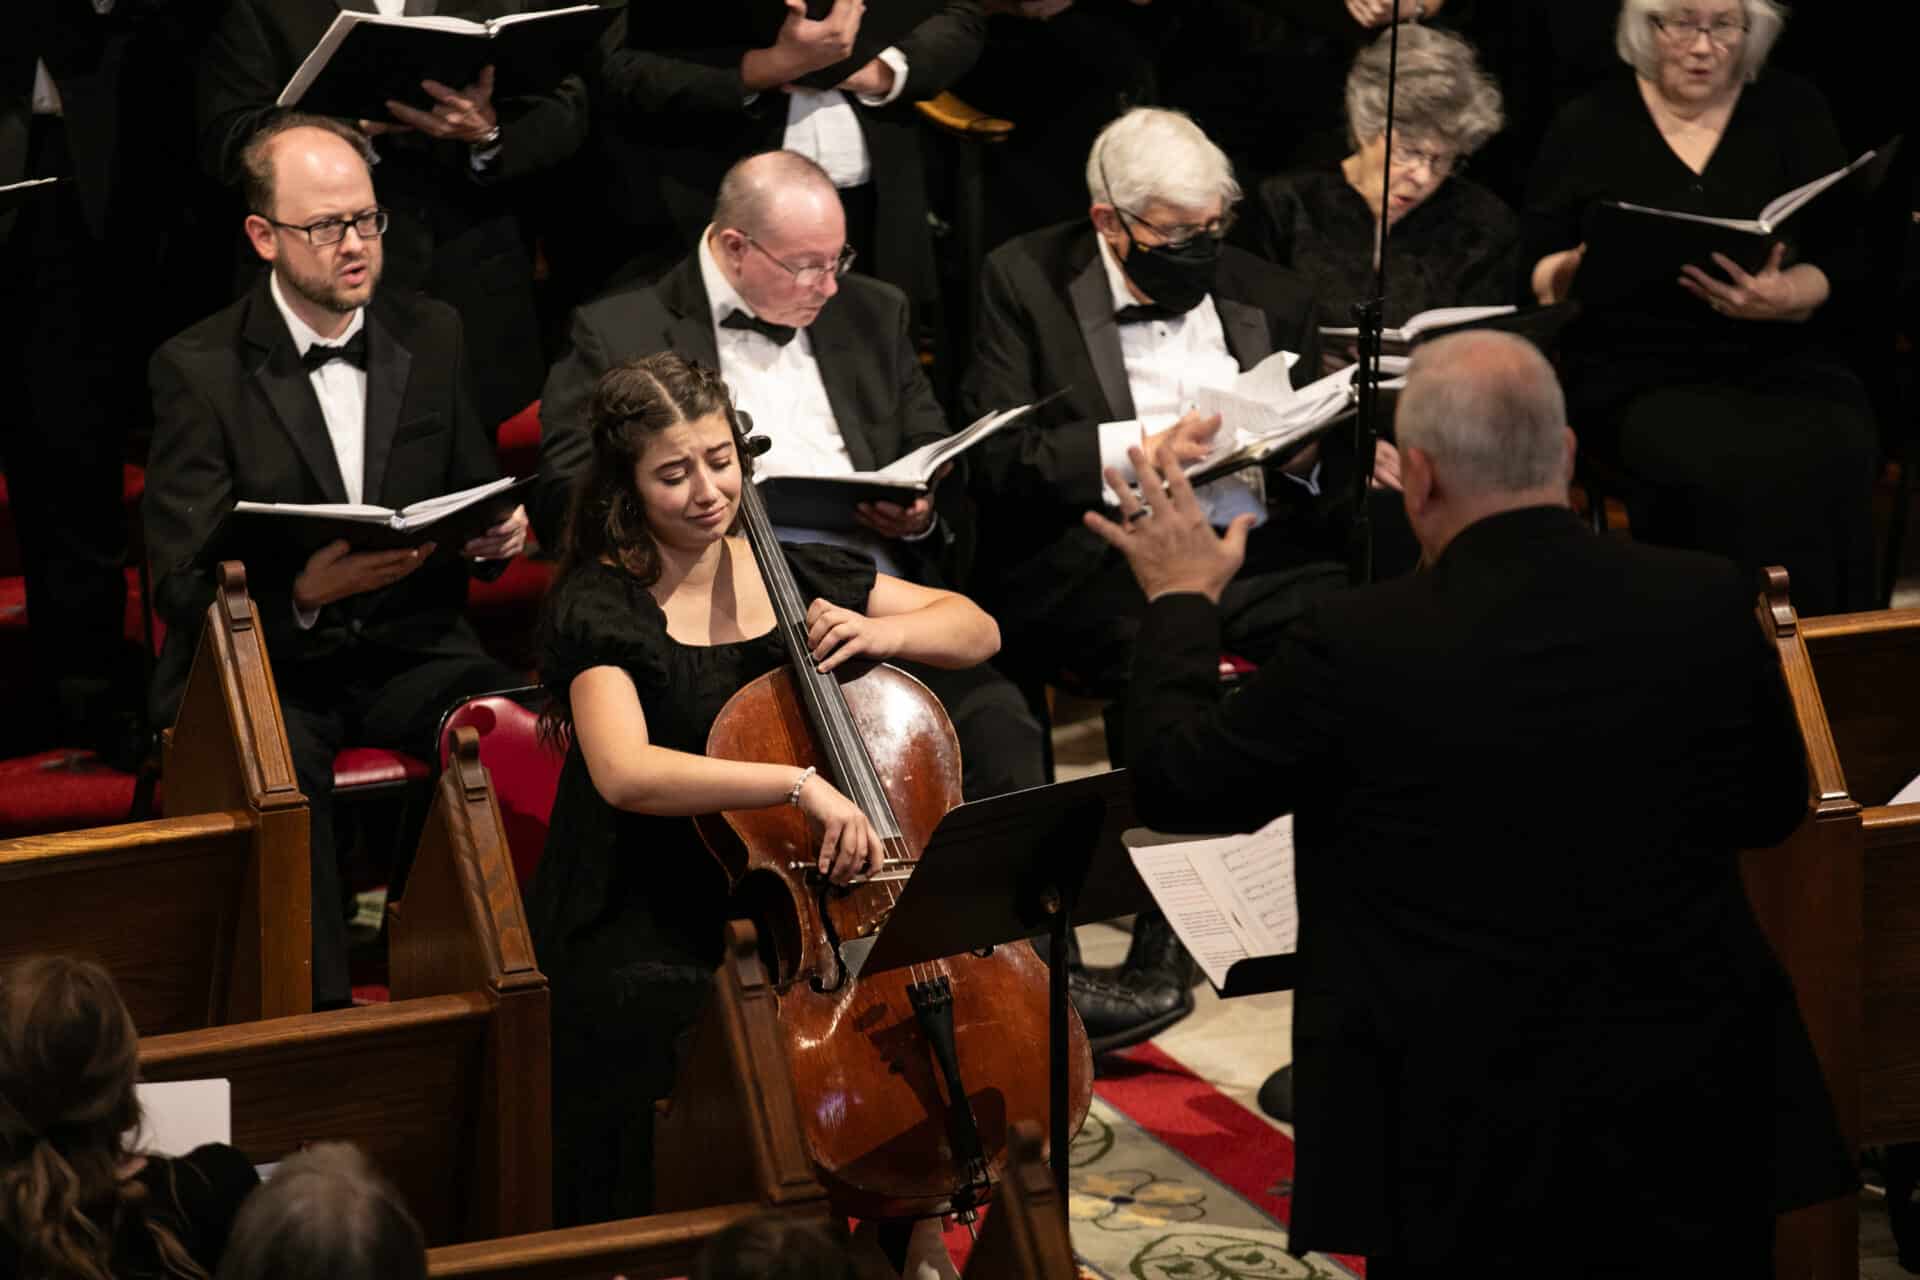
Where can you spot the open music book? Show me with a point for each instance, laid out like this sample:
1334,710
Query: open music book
1268,430
1229,898
279,531
827,502
366,58
1632,246
15,194
1427,323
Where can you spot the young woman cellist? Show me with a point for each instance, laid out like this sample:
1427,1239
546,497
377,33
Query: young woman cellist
657,615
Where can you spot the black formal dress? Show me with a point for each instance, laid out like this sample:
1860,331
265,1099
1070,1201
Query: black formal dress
1067,605
455,232
678,119
627,908
237,418
1532,989
883,407
195,1199
1457,249
1752,439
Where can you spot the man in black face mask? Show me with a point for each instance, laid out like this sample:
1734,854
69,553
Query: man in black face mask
1132,316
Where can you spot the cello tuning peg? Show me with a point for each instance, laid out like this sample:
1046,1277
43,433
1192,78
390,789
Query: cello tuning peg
756,445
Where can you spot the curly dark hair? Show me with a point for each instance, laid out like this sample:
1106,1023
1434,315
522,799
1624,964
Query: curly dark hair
68,1056
607,520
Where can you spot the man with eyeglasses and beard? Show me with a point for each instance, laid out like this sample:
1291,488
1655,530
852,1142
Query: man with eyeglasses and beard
313,389
1131,316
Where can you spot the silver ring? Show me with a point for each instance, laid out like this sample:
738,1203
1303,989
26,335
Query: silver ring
1141,512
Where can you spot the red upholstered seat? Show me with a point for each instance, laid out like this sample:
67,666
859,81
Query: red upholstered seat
362,768
505,611
61,791
518,442
525,772
1234,669
133,485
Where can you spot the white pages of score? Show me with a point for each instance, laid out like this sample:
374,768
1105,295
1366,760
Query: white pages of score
1229,898
178,1115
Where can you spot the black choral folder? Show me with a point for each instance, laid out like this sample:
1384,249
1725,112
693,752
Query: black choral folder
283,535
366,58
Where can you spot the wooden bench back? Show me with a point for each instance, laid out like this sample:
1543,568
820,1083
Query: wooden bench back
202,915
446,1088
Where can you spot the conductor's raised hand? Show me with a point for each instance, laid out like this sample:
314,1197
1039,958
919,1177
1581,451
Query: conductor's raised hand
502,541
1165,537
336,571
1767,294
850,848
835,635
458,115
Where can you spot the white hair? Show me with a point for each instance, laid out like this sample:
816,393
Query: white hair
1149,154
1487,408
1633,36
1440,92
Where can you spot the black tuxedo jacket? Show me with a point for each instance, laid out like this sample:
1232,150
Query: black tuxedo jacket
236,417
868,364
1519,782
454,233
1046,322
680,118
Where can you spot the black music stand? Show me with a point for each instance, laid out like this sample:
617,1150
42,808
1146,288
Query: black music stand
1014,867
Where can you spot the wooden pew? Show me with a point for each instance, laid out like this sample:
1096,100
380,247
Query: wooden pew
722,1154
1026,1234
200,915
446,1088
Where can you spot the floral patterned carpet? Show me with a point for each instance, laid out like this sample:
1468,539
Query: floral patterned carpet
1173,1180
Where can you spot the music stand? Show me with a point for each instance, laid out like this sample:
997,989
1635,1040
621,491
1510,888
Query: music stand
1013,867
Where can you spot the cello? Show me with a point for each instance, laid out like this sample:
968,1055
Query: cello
908,1081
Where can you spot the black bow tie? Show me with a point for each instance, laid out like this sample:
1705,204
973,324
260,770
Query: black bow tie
353,351
1141,312
778,334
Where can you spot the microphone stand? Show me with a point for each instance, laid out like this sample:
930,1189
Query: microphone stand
1370,317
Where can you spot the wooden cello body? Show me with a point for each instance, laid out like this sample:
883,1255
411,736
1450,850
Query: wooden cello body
907,1081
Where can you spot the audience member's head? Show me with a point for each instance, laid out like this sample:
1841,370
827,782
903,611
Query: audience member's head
68,1053
770,1247
1695,51
1163,197
780,236
1444,109
308,185
325,1215
1482,428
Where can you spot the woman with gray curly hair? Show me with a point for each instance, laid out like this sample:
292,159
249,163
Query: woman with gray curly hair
1453,242
1723,395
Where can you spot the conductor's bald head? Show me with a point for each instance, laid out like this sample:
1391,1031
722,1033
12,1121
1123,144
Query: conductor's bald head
1482,428
780,236
311,214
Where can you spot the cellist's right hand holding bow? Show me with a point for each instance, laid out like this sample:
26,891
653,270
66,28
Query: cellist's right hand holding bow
850,848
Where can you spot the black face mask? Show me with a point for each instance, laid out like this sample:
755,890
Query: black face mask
1176,277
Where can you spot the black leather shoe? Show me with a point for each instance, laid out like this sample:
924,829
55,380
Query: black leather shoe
1276,1095
1125,1009
1156,950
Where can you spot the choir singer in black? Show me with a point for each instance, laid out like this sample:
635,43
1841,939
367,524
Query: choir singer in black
1531,984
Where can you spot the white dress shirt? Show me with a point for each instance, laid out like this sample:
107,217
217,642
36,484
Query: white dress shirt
45,100
780,387
821,126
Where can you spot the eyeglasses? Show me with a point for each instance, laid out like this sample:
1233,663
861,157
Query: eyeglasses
808,277
1724,32
1185,233
1438,161
328,231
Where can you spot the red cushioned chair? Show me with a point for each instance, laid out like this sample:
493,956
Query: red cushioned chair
525,771
517,442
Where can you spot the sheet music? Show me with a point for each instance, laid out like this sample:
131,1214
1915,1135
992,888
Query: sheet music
1228,898
179,1115
1907,794
1253,405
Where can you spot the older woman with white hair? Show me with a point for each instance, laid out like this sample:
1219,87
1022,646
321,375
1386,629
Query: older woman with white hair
1722,393
1453,242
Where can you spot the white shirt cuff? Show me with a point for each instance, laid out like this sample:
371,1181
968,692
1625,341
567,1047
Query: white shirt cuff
898,61
305,617
1115,439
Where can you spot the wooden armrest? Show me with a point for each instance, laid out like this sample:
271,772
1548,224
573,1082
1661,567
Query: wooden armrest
950,114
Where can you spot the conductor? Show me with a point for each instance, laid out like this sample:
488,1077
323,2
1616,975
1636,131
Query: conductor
1530,982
